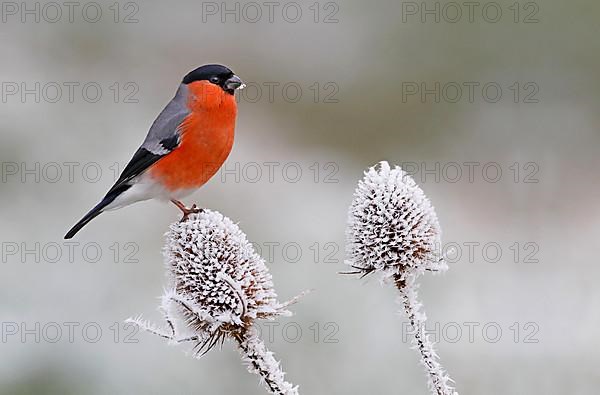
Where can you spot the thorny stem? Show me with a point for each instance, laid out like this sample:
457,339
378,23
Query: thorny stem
438,378
262,362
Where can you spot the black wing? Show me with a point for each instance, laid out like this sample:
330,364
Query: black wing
143,159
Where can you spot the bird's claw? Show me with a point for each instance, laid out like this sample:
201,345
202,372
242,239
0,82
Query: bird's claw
188,211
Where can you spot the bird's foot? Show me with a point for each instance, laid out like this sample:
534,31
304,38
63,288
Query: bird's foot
192,210
187,211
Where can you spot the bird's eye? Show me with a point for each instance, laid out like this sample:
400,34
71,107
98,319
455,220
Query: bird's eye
214,80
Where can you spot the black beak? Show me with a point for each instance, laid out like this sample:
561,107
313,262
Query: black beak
234,83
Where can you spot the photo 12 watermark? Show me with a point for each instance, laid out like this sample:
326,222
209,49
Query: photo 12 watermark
488,12
452,92
68,92
68,12
67,331
35,252
270,12
473,331
472,172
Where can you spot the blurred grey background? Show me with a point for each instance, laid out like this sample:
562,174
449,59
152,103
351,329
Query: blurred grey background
523,273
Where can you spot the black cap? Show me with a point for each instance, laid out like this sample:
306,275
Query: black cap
214,73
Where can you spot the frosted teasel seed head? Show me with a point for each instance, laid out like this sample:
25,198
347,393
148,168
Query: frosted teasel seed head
392,226
220,283
219,286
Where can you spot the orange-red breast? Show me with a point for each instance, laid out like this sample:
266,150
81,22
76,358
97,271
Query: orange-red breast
185,147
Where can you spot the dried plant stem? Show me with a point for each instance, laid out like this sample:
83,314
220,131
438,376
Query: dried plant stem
438,378
262,362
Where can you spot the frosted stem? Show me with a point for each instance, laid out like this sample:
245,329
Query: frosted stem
438,378
262,362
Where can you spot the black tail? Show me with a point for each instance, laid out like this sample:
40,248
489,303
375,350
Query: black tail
96,211
83,221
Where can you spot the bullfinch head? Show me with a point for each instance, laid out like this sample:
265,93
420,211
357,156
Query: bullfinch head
211,85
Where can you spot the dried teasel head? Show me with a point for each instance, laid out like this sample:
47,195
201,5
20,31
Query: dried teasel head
392,226
221,285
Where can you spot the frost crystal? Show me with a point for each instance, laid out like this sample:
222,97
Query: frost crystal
392,226
219,287
393,229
